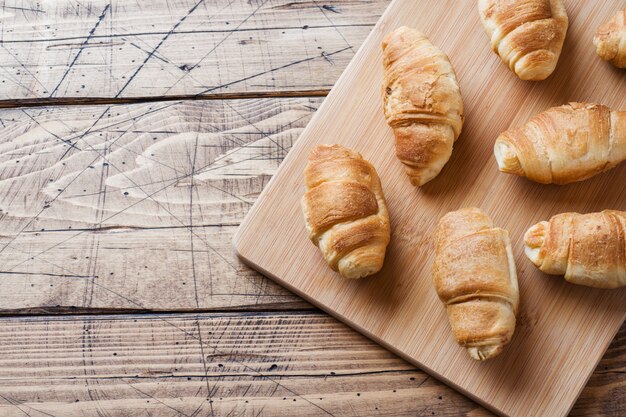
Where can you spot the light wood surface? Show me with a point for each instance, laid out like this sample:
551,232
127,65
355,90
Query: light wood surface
563,329
48,346
210,365
297,364
140,200
101,48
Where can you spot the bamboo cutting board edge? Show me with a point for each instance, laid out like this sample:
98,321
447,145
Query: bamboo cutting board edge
297,152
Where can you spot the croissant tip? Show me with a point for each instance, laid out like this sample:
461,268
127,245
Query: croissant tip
482,353
533,242
506,157
417,181
361,263
356,273
422,175
535,76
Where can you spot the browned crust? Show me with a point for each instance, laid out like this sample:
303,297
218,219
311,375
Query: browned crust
345,210
527,34
331,203
362,233
482,322
610,40
422,102
568,143
475,278
588,249
485,275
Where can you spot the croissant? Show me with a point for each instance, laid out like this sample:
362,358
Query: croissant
345,211
610,40
588,249
528,35
422,103
474,275
564,144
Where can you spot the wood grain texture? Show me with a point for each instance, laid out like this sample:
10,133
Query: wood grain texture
117,49
242,364
113,365
102,203
563,329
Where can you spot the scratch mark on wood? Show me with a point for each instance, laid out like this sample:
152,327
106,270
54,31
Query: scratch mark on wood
323,10
191,191
206,374
46,274
67,142
24,67
291,64
24,9
157,56
188,32
154,398
18,404
156,48
229,34
91,32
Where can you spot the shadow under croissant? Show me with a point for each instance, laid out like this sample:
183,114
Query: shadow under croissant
453,176
558,87
383,289
583,197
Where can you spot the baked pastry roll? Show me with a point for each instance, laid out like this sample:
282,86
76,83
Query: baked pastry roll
528,35
345,211
564,144
610,40
422,103
588,249
475,277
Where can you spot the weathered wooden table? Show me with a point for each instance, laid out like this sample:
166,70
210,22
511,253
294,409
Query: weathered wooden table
134,138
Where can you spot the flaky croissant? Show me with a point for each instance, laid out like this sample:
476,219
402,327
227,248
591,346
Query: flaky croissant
422,103
527,34
610,40
564,144
588,249
345,211
475,277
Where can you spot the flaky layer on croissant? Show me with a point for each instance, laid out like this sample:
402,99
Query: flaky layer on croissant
422,103
610,40
564,144
527,34
588,249
475,277
345,211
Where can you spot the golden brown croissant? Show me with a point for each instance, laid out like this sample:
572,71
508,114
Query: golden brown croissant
527,34
610,40
475,277
422,103
345,211
564,144
588,249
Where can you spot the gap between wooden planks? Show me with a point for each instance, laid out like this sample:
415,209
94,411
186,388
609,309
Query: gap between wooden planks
232,363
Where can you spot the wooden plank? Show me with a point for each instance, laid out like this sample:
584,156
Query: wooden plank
134,206
116,49
273,364
399,307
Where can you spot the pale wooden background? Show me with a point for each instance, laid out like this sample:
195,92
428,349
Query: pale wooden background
118,286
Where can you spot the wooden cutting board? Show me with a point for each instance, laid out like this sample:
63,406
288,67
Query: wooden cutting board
563,330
